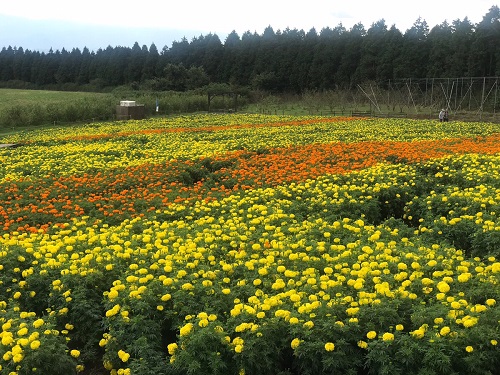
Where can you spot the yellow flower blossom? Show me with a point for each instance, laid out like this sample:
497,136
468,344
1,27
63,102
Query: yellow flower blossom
124,356
186,329
329,346
172,348
387,336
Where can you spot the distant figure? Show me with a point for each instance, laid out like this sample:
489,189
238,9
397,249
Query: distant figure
445,118
441,115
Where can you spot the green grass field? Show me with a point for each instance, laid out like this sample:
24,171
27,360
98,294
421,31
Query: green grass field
21,109
10,97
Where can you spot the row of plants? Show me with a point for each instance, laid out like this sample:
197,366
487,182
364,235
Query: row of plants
66,111
146,174
359,257
30,110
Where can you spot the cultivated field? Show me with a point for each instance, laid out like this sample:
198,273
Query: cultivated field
251,244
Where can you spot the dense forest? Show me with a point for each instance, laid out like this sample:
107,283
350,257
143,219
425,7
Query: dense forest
281,61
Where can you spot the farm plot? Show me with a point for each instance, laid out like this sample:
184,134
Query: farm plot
249,244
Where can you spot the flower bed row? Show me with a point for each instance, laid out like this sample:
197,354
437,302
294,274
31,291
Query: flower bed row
390,268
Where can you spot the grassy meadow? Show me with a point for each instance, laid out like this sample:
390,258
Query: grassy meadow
251,244
12,97
25,109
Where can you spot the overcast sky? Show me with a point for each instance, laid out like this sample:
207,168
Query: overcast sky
41,25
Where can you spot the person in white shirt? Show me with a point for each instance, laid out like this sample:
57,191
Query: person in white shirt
441,115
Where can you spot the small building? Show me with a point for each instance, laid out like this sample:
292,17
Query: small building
130,110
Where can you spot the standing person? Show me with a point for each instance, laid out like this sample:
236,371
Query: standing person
441,115
445,117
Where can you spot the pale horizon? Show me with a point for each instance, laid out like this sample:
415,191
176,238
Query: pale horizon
95,24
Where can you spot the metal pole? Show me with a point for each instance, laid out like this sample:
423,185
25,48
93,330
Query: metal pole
496,92
482,97
425,95
470,92
432,92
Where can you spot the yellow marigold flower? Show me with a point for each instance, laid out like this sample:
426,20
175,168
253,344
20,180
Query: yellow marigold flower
469,349
371,335
237,340
113,311
329,346
362,344
469,321
226,291
172,348
494,342
309,324
352,311
491,302
207,283
399,327
34,336
75,353
495,267
34,345
186,329
295,343
419,333
242,327
464,277
443,287
203,323
387,336
123,355
16,349
7,340
478,308
108,365
238,348
166,297
113,294
426,281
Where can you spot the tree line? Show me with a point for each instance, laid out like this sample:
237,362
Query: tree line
279,61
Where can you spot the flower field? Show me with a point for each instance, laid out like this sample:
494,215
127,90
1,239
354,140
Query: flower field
251,244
